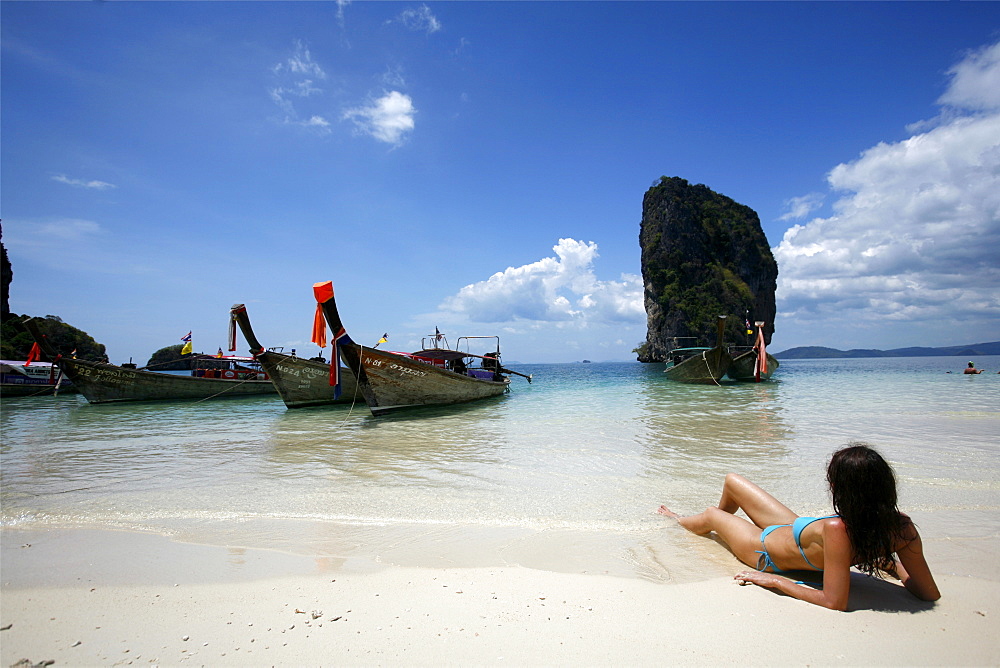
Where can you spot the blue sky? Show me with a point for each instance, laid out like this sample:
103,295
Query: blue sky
480,167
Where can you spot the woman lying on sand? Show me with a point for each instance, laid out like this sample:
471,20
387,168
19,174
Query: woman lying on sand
866,531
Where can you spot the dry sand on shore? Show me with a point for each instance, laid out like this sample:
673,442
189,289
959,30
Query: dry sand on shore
307,614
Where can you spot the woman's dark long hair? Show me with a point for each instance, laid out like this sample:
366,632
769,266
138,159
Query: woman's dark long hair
864,495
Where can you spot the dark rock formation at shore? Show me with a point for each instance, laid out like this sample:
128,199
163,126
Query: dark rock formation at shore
6,276
703,255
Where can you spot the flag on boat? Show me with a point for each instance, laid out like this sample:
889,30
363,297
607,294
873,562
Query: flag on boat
747,323
219,354
186,348
385,337
437,334
33,354
73,354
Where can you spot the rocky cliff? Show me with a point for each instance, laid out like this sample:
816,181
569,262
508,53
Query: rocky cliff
703,255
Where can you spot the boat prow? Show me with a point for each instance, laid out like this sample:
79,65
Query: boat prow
700,364
300,382
756,364
392,381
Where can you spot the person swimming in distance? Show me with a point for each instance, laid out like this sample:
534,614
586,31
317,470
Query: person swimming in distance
866,532
972,368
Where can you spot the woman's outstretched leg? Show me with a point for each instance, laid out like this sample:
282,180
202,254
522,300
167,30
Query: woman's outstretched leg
742,537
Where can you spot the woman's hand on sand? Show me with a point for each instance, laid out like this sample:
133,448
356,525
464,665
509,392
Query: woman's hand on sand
756,577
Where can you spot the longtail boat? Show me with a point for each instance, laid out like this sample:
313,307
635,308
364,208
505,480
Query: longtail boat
32,379
300,382
433,376
101,382
756,364
700,364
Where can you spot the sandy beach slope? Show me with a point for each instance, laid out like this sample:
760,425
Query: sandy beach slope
109,605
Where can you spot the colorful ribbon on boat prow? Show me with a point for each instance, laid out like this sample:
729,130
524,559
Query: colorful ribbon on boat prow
232,327
761,363
324,293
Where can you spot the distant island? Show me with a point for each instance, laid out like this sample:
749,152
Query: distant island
819,352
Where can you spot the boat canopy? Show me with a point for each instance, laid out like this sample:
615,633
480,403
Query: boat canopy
442,354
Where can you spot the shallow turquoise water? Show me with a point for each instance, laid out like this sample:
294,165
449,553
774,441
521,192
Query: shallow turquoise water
564,473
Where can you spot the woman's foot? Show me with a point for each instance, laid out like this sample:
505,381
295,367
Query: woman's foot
663,510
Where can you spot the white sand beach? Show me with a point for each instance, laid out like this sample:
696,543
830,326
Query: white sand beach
88,597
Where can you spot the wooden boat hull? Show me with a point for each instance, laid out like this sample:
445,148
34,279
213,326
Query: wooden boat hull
299,382
708,366
743,367
391,382
105,383
302,382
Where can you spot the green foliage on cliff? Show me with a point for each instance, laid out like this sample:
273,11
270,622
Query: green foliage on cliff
15,342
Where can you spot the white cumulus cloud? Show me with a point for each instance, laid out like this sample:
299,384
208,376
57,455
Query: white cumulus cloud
554,289
387,118
915,231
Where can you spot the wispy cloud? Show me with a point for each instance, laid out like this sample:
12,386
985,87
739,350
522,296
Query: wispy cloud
295,81
387,118
341,5
800,207
82,183
77,245
915,230
420,19
561,289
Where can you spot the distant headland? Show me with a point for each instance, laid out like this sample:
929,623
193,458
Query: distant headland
819,352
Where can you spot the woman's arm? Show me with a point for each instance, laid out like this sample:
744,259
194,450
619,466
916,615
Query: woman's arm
914,572
820,597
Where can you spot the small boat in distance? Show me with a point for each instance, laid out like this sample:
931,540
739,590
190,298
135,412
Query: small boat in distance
300,382
30,379
433,376
755,364
697,364
101,382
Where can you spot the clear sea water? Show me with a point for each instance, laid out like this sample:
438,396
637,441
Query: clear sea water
564,473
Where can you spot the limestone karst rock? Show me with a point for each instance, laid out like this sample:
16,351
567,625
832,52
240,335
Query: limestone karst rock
703,255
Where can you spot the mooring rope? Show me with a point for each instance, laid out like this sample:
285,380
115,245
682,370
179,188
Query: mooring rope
357,381
704,357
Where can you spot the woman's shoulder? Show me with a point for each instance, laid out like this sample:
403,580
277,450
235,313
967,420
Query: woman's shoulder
907,529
